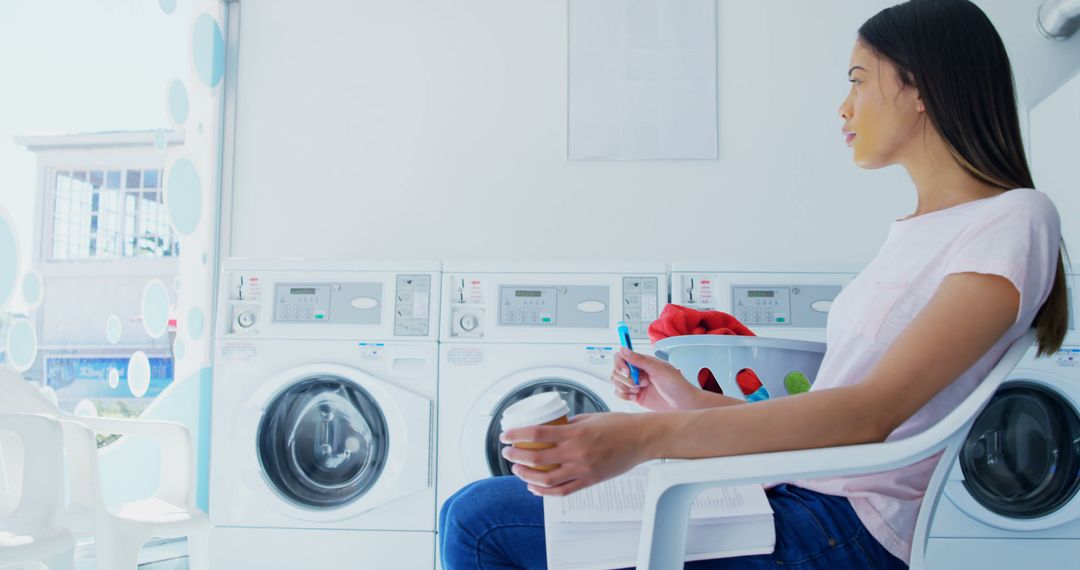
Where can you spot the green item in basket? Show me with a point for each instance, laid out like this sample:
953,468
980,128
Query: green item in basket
796,383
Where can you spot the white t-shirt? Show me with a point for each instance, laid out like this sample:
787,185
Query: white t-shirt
1014,235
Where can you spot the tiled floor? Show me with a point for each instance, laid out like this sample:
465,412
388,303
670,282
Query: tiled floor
156,555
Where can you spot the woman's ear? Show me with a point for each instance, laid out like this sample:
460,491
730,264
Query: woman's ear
919,104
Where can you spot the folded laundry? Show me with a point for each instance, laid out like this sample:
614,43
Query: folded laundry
677,320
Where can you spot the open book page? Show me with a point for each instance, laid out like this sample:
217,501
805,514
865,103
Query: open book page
622,499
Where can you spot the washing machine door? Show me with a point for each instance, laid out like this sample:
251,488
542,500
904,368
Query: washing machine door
323,442
332,442
1021,460
482,451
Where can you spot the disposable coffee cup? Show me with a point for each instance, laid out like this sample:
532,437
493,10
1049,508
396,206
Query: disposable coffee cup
545,408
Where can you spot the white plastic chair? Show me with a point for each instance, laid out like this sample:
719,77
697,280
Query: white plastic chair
33,532
673,486
118,536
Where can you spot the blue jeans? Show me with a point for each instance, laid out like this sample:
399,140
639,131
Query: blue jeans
497,524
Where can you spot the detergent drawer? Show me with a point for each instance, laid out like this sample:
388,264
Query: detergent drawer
1001,554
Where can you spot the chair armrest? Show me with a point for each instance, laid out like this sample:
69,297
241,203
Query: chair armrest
674,484
790,465
177,482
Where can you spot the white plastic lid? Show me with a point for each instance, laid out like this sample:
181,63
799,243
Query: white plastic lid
535,410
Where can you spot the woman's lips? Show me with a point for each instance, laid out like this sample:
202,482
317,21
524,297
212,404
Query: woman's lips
848,138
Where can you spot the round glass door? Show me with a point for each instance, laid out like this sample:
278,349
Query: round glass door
1022,457
323,442
580,399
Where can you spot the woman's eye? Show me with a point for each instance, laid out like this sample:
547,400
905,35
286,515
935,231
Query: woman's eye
854,81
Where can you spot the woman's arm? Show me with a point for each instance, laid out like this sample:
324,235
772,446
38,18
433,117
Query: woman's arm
967,314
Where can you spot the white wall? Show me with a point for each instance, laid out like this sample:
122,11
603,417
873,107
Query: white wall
1055,158
437,130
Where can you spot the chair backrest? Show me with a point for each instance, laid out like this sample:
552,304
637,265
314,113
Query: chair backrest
21,397
17,396
953,429
41,462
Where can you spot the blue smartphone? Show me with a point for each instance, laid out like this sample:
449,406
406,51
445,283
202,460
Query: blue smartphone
624,339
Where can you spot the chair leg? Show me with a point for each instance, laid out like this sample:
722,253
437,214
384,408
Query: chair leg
199,550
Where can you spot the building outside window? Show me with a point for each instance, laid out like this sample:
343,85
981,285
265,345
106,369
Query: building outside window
102,232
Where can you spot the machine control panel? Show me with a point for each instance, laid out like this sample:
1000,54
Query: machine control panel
788,305
412,299
576,306
528,306
338,303
640,303
306,303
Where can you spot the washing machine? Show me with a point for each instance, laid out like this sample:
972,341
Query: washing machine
1011,498
322,438
509,332
772,303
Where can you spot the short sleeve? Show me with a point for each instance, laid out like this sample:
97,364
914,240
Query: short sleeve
1017,238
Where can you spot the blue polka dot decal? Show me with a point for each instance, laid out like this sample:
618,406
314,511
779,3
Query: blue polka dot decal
155,308
113,329
208,50
138,374
32,288
178,102
21,345
183,196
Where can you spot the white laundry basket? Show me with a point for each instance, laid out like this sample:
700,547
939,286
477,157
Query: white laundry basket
771,359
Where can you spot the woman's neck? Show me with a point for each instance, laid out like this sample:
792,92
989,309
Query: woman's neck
939,179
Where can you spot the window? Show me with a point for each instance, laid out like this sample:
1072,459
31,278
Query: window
95,217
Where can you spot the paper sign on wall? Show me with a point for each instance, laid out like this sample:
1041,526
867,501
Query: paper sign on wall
642,79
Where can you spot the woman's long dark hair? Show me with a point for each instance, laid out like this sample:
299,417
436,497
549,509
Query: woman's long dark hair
950,52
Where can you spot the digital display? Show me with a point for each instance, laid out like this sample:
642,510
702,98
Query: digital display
302,291
523,293
756,294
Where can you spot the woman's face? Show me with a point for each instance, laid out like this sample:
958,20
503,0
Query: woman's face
881,115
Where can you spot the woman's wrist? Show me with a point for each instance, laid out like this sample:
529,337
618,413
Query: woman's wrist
657,429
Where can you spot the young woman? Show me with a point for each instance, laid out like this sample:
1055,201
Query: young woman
956,281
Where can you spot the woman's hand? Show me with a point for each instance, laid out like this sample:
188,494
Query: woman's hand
590,449
661,386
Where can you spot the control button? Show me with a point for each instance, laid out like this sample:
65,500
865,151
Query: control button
649,285
246,319
591,306
469,323
821,306
419,328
